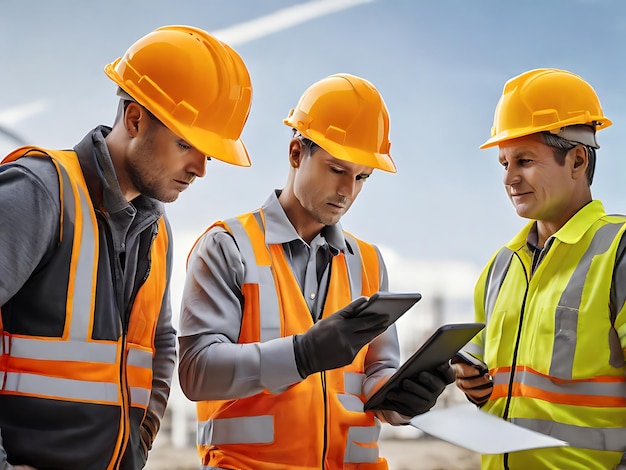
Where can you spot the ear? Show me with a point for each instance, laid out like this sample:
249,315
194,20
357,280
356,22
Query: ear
132,118
580,161
295,152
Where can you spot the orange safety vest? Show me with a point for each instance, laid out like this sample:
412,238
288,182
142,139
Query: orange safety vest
100,387
318,423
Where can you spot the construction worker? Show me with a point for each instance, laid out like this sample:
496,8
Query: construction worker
88,345
281,378
553,297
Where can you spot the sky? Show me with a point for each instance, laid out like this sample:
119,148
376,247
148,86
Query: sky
440,66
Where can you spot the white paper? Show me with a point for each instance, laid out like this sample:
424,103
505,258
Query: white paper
467,426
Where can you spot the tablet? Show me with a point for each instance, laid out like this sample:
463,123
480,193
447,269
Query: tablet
442,345
392,304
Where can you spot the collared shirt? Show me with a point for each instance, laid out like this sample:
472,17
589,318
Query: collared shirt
310,263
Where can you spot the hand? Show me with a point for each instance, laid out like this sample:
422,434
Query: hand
336,340
476,386
418,395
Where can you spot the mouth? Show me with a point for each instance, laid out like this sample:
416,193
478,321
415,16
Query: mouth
336,206
183,184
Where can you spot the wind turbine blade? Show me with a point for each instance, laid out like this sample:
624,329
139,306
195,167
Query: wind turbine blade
12,116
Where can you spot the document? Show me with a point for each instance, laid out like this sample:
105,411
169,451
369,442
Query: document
467,426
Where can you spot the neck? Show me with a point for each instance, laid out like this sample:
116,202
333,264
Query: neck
306,227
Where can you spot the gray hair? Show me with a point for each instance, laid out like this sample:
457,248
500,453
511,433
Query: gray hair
561,146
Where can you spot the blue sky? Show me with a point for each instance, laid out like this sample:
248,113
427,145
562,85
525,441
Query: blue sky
440,66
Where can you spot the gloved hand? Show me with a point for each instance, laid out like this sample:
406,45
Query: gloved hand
335,340
418,395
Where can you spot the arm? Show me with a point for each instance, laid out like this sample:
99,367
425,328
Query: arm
30,215
212,364
164,361
30,212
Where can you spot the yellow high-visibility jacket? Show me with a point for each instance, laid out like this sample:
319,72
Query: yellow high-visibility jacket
553,345
318,423
76,372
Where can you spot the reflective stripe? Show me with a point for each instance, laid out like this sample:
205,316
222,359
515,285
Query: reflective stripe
350,402
611,439
353,382
140,396
84,279
566,315
39,385
261,276
59,350
499,269
361,445
354,267
244,430
140,358
579,391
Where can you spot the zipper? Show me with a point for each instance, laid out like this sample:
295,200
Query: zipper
116,271
325,448
515,351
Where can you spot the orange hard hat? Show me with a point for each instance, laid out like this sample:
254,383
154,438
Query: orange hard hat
346,116
195,84
545,100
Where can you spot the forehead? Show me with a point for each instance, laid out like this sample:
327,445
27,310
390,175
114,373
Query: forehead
323,157
530,144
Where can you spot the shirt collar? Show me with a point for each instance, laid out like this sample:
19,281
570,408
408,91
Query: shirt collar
570,233
279,230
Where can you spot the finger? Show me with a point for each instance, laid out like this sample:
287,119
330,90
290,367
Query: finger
465,371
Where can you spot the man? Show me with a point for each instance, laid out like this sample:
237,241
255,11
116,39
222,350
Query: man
279,376
88,346
553,297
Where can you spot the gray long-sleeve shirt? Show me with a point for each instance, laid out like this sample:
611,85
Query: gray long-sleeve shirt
212,365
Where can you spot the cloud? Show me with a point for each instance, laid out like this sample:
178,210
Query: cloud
282,19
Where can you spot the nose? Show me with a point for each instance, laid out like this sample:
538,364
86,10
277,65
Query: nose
510,176
197,164
348,187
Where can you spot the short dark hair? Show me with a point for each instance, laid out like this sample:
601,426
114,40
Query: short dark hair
308,143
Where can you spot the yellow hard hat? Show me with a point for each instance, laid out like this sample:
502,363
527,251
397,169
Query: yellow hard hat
195,84
544,100
346,116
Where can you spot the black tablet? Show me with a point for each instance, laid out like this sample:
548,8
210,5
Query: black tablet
392,304
442,345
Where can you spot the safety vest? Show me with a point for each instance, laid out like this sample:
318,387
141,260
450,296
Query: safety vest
318,423
93,391
551,344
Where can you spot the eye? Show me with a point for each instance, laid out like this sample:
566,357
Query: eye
504,164
184,145
336,169
362,177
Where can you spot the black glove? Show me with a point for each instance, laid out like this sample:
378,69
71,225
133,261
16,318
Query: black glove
336,340
417,396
